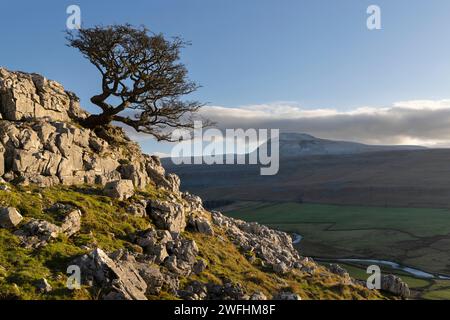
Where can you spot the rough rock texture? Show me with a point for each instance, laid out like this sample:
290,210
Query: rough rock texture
193,203
71,223
167,215
41,142
138,209
337,269
395,285
9,217
258,296
37,233
199,266
26,96
201,224
273,247
120,278
177,254
119,189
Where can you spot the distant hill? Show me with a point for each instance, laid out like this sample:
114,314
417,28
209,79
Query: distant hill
397,176
301,144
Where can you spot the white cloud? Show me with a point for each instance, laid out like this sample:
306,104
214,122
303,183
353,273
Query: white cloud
423,122
414,122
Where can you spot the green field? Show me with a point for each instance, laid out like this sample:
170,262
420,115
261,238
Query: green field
415,237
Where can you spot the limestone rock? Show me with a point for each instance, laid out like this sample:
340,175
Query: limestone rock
120,279
152,276
194,203
40,142
173,182
167,215
9,217
280,268
182,256
154,244
43,286
337,269
119,189
184,250
71,223
395,285
201,225
196,290
137,209
30,96
274,248
227,291
37,233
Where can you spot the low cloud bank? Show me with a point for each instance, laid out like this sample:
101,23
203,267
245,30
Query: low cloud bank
418,122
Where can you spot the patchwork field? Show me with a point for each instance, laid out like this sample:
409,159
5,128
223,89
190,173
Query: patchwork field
414,237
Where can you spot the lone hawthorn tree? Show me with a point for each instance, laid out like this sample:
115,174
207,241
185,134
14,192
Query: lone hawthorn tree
141,77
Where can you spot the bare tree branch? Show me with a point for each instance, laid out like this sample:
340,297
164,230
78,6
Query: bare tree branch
141,70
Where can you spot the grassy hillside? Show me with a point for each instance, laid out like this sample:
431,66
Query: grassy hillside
106,224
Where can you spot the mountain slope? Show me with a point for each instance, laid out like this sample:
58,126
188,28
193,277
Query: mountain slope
323,171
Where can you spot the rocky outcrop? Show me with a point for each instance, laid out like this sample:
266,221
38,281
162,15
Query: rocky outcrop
395,285
138,209
389,282
41,142
25,96
274,248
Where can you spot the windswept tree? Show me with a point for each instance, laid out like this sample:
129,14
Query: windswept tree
143,81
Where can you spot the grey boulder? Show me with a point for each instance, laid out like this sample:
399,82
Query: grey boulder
9,217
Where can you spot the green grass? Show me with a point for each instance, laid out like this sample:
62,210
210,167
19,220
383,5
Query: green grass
408,220
106,224
417,237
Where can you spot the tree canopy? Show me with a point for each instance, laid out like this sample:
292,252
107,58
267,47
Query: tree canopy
143,81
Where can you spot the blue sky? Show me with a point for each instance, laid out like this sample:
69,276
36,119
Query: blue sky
314,54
